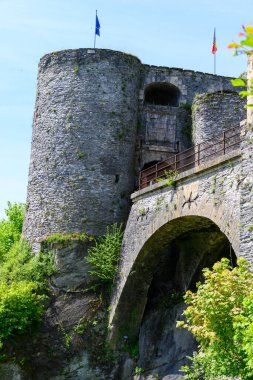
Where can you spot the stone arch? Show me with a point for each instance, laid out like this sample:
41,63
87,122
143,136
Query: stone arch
131,300
161,93
160,214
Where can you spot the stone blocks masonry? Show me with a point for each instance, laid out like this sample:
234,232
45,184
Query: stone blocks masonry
100,116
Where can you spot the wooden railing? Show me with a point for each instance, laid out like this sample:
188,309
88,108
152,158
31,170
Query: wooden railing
194,156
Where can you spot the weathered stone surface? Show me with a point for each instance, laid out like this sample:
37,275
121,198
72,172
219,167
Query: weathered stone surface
10,371
84,130
70,343
208,200
92,125
169,128
79,369
72,268
84,136
215,113
246,209
127,369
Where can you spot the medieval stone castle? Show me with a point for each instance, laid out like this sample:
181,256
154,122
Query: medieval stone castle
101,117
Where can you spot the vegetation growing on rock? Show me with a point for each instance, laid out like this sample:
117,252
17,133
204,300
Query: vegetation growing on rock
104,255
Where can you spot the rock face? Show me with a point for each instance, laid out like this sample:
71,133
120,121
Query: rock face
70,342
72,269
11,371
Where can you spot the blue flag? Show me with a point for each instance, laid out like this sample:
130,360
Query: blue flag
97,26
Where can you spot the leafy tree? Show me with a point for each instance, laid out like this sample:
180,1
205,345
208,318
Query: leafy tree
20,264
20,307
245,46
104,255
23,277
10,229
220,316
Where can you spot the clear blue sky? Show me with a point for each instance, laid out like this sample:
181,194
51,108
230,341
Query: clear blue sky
160,32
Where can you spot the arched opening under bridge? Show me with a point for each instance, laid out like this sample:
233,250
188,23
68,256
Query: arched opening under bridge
168,264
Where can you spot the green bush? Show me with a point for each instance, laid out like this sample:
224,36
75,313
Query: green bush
104,255
20,264
23,277
20,307
10,229
220,316
23,281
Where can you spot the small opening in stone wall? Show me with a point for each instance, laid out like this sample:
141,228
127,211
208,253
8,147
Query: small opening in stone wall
164,94
116,178
149,164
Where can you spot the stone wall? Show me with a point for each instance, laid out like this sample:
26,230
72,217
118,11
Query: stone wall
246,180
188,82
204,195
81,176
84,131
84,150
165,131
168,127
214,113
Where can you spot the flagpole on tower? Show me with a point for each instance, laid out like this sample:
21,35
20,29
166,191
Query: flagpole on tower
95,29
214,64
214,50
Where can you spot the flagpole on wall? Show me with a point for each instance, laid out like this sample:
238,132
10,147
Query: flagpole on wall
214,64
214,56
214,50
95,30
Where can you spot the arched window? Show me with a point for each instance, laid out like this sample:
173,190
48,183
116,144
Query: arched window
163,94
149,164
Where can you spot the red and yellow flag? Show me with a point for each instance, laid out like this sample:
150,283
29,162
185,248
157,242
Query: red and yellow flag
214,47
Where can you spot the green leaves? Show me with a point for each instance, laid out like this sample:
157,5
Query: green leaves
245,46
220,316
238,82
20,264
10,229
23,277
244,93
20,306
248,41
104,255
245,43
15,215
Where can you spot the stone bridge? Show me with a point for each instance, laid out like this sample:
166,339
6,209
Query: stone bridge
210,207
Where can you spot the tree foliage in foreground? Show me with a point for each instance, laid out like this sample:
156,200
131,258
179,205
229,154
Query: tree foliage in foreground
22,277
220,316
245,46
11,228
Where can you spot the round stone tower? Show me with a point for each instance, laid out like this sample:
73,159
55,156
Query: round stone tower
84,132
214,113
